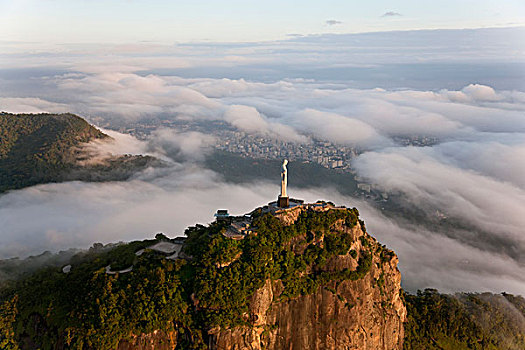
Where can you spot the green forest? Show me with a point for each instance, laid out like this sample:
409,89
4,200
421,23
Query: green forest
41,148
37,148
87,308
464,321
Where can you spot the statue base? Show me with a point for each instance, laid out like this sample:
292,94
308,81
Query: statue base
283,202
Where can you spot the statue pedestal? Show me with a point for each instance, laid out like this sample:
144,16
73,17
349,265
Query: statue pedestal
283,202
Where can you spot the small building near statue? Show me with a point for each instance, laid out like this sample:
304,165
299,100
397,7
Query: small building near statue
222,215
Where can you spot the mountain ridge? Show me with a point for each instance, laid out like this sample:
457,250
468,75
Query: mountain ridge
45,147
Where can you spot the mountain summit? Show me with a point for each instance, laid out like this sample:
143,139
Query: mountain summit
304,277
307,276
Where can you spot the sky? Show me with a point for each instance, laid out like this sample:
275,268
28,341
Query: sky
82,21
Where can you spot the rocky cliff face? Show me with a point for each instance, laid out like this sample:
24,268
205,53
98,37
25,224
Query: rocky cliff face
158,340
367,313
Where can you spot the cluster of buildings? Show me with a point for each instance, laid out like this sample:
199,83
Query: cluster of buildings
324,153
416,140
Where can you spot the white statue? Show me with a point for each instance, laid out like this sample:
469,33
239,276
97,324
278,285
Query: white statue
284,178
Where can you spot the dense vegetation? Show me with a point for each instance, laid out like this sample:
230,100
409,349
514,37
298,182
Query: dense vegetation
464,321
224,292
40,148
90,309
87,308
35,148
15,268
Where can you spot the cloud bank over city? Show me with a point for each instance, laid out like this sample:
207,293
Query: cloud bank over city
351,94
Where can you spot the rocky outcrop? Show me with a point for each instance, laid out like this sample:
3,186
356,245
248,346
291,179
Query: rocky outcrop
367,313
157,340
305,278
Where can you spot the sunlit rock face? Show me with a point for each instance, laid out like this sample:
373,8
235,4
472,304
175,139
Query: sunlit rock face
364,314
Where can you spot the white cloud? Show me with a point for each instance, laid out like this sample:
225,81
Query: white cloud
335,127
184,146
484,202
30,105
432,260
222,87
358,89
391,14
494,159
184,196
245,118
481,92
248,119
332,22
111,212
133,96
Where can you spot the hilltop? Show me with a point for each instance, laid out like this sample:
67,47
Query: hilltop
304,277
41,148
316,265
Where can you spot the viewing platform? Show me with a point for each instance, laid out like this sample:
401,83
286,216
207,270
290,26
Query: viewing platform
284,208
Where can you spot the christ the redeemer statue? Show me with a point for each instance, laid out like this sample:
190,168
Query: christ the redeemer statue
283,200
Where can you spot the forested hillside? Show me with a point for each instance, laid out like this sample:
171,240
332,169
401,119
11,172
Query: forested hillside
193,303
264,291
40,148
464,321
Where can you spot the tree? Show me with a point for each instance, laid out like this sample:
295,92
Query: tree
8,314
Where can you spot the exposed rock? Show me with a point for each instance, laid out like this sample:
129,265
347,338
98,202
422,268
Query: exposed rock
359,315
158,340
364,314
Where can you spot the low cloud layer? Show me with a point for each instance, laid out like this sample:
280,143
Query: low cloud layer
471,170
483,202
430,259
184,196
471,174
101,150
294,110
76,214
